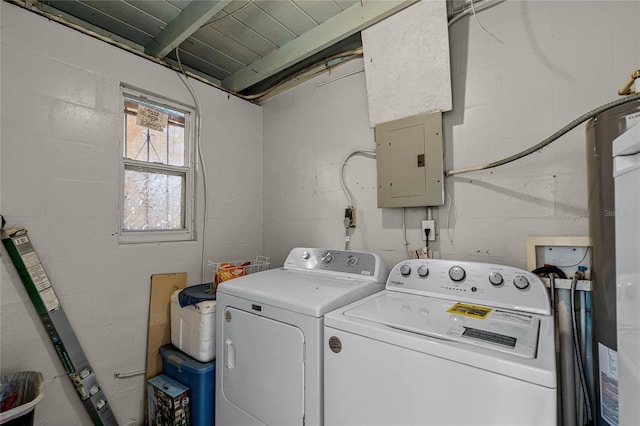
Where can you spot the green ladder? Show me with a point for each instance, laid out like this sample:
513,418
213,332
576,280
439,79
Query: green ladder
57,326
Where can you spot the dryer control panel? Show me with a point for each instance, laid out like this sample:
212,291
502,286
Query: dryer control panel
473,282
360,264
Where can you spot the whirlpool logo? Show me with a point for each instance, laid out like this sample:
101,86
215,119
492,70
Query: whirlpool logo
392,282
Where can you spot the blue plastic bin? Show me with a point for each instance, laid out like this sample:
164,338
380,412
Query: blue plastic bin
199,376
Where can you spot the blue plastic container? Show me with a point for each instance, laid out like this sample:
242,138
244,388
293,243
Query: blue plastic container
199,376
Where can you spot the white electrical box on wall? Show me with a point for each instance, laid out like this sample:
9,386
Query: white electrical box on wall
566,254
410,161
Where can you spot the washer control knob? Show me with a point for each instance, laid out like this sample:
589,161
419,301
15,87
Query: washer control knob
327,257
521,282
405,270
496,279
306,255
423,271
352,260
456,273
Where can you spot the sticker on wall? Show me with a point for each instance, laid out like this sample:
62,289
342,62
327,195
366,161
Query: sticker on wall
151,118
479,312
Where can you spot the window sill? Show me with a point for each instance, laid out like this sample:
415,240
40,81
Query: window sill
138,237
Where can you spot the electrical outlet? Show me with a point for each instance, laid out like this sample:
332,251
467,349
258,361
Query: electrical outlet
431,226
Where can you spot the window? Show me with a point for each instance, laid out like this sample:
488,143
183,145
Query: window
156,203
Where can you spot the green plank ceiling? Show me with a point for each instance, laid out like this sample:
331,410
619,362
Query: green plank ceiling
247,47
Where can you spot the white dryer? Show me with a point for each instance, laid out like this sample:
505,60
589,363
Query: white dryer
269,331
446,343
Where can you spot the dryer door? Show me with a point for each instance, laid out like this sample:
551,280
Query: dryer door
263,367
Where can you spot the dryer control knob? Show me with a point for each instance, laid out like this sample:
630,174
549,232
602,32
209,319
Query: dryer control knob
423,271
306,255
405,270
456,273
495,278
521,282
352,260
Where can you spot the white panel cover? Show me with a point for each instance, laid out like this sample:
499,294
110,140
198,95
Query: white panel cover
406,60
263,367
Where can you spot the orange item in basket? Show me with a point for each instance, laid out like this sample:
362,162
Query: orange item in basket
228,271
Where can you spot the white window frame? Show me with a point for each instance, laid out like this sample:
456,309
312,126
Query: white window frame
188,233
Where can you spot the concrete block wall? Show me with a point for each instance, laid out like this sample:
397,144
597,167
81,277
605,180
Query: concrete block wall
60,116
60,155
546,63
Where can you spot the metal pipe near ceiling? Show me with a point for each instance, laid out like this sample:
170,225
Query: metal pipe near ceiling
626,87
313,69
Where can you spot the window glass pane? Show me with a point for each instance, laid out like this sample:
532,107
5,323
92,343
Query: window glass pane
153,200
176,145
166,146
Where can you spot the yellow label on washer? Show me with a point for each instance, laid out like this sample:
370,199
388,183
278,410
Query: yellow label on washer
473,311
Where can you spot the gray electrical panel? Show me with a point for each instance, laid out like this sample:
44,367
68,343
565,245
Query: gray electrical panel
410,161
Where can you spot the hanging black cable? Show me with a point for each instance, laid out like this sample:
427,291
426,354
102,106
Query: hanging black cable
550,269
578,355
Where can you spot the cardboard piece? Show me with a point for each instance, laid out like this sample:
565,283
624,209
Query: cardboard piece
159,334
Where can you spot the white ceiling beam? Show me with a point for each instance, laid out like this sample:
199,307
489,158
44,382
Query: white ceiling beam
352,20
192,17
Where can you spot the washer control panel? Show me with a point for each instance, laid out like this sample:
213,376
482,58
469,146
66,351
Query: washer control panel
343,262
473,282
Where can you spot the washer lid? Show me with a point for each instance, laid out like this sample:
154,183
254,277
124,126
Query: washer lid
306,292
493,328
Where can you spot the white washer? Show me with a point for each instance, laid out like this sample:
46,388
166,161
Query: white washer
269,334
446,343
